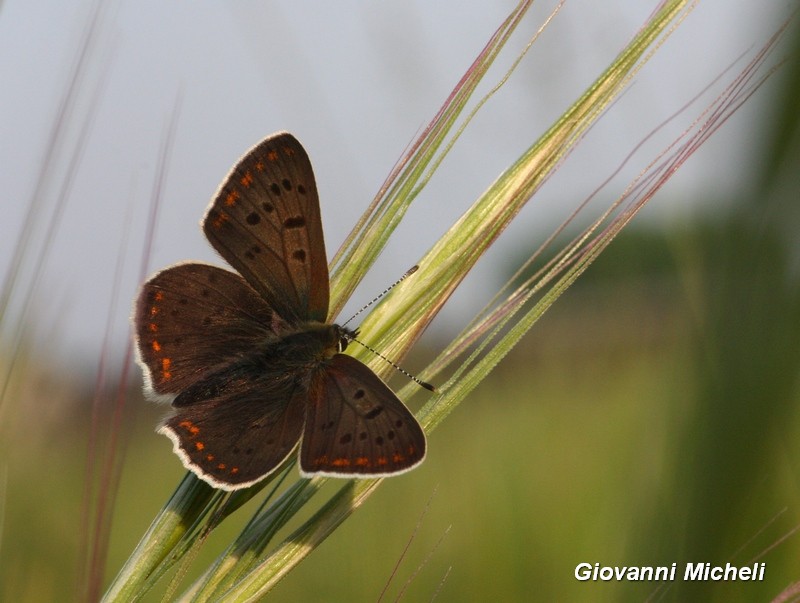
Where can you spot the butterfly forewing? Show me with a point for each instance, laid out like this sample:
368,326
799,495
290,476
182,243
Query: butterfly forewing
194,319
356,425
265,222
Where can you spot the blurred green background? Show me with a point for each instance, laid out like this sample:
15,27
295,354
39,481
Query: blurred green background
650,417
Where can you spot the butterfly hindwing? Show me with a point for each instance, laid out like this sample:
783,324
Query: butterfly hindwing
241,431
193,319
265,221
355,425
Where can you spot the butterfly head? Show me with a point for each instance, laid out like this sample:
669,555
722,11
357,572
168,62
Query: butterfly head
344,336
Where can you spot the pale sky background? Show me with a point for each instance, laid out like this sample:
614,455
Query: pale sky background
355,82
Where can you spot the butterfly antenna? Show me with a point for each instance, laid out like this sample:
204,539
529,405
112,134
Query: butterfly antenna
408,273
417,380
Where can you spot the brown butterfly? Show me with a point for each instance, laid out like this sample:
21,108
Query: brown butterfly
249,362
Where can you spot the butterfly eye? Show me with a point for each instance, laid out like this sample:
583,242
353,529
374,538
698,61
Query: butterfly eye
343,341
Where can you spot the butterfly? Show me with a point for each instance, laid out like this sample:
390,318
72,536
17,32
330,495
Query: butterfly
247,359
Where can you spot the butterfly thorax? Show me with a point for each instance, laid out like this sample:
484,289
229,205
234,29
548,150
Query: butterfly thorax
313,340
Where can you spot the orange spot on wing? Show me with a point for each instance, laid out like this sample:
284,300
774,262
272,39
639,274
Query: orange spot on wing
231,198
272,156
259,165
190,427
209,457
199,445
320,460
341,462
398,458
247,179
166,363
159,296
156,346
382,460
362,461
221,466
153,311
219,219
234,470
153,327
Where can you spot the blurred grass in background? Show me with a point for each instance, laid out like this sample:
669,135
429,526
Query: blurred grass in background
556,459
651,418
